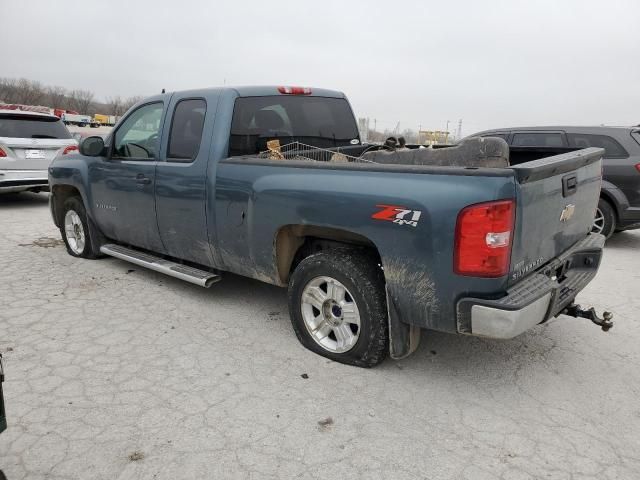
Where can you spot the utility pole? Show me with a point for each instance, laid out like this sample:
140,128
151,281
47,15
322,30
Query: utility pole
459,129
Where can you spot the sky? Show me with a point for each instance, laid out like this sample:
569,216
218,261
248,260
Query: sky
418,62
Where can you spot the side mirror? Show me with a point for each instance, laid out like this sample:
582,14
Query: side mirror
92,146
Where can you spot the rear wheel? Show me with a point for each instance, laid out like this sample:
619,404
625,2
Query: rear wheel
337,304
605,219
75,229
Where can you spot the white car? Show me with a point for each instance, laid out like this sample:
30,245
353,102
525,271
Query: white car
29,141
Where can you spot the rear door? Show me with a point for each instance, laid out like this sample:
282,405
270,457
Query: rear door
122,185
181,177
556,201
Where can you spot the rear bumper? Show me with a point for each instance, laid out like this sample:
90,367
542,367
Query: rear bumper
535,299
629,219
16,180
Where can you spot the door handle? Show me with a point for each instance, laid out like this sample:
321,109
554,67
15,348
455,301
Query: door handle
142,179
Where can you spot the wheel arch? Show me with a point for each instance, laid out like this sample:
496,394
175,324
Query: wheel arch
295,242
59,195
615,197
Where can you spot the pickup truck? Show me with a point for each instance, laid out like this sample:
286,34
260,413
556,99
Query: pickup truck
375,243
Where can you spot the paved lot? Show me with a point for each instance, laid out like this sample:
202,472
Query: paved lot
117,372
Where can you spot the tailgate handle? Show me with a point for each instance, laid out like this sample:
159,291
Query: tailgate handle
569,185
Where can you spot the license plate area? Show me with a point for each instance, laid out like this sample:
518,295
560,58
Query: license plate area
34,154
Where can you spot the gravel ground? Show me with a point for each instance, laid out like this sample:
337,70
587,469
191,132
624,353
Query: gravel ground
118,372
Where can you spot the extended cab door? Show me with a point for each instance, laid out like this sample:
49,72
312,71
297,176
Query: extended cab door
122,185
181,177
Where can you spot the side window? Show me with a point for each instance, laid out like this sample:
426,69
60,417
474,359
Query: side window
138,135
612,149
537,139
504,136
186,130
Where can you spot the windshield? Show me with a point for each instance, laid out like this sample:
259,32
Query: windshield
318,121
31,126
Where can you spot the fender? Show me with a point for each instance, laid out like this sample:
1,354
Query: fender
615,196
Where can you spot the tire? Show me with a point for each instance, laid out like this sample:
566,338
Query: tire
605,219
75,231
322,314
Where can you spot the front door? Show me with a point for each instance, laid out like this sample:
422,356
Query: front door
181,178
123,184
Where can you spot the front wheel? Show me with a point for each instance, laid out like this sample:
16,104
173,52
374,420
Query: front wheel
605,219
337,304
75,229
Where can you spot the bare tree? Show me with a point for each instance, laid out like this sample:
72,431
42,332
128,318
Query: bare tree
115,105
28,92
8,87
130,102
81,101
56,97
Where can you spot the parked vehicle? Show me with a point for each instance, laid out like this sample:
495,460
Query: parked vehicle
74,119
28,143
104,120
374,245
619,205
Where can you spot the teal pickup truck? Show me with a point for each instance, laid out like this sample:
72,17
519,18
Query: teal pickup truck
375,243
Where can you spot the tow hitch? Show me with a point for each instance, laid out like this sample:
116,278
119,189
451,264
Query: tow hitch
576,311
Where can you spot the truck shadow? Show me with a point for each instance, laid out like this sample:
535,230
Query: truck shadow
438,353
24,200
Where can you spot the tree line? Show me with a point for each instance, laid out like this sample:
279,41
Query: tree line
30,92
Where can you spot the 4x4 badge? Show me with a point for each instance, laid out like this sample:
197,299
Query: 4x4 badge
397,214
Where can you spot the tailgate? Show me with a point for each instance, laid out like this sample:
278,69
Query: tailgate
556,201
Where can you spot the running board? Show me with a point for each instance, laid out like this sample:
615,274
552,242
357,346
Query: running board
173,269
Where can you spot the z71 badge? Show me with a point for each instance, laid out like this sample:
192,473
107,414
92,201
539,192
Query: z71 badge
398,214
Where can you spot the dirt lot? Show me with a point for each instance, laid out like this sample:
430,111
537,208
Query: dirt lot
117,372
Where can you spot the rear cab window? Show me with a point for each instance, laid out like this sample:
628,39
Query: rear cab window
538,139
32,126
322,122
612,148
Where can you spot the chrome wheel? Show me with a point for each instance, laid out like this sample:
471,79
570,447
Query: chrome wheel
330,314
598,222
74,231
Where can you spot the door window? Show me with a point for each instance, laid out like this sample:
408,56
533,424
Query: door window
612,149
504,136
186,130
138,135
537,139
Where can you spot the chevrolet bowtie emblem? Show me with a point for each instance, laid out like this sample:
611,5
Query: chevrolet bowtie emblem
567,212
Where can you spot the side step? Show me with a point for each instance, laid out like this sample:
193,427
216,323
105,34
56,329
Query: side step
173,269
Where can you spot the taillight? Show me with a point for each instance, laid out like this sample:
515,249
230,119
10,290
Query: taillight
69,149
295,90
2,153
638,166
484,233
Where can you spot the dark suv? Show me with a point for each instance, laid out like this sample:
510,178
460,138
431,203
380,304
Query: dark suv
619,206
